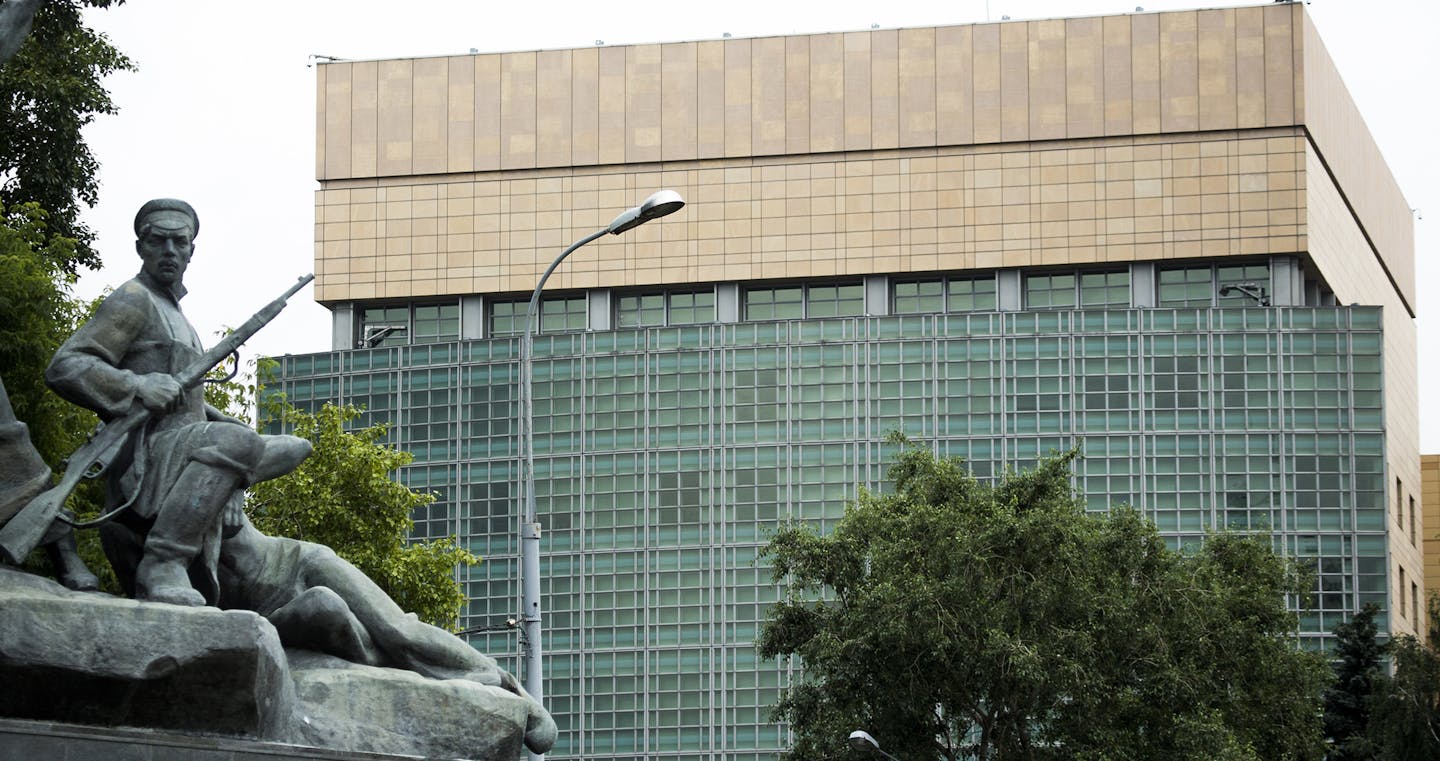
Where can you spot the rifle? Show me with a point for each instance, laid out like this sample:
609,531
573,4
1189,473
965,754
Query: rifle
25,530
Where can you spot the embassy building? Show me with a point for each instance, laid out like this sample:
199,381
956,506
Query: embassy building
1167,239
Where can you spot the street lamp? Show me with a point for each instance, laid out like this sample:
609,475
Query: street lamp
862,741
657,205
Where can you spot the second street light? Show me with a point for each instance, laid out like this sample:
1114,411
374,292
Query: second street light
657,205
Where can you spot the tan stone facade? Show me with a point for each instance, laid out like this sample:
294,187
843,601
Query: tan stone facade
1128,138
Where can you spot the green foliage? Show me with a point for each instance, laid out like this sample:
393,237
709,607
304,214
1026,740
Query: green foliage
49,91
1347,701
37,314
957,619
343,496
1405,711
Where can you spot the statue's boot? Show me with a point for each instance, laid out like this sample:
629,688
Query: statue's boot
65,559
186,517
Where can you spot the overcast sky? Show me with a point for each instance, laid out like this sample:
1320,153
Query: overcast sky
222,113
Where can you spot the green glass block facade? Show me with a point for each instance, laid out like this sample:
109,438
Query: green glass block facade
666,454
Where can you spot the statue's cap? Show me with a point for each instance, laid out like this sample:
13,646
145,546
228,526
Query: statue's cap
167,204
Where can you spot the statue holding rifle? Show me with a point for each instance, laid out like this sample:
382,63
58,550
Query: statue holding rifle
175,473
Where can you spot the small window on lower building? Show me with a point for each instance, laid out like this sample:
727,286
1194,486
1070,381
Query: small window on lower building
558,314
408,324
796,302
645,310
783,303
1044,291
835,300
1105,290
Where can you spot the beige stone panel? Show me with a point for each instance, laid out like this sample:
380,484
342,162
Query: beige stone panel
955,101
393,126
710,99
857,104
487,112
460,114
321,124
517,110
1179,72
1217,69
335,131
767,96
1280,71
1048,79
739,71
797,94
679,101
584,106
1015,81
554,107
884,89
987,83
1249,67
827,93
916,72
1119,80
644,102
613,137
429,116
1145,73
1085,77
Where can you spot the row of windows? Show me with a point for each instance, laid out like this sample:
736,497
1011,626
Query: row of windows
1194,286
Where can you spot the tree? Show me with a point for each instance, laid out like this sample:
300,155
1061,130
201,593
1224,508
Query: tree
957,619
49,91
1347,701
37,313
343,496
1405,712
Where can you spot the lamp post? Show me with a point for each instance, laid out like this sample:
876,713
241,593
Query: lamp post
657,205
861,740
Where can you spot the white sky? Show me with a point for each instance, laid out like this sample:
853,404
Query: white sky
222,113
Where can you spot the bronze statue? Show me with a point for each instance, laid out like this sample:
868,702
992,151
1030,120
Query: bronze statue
176,468
177,473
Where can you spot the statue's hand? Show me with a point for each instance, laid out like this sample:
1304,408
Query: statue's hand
158,391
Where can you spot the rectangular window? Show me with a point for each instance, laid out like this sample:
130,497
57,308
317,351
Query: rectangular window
1413,541
407,324
437,322
558,314
918,297
796,302
846,300
1050,291
384,326
1200,287
1183,287
1100,290
657,309
950,294
786,303
640,311
970,294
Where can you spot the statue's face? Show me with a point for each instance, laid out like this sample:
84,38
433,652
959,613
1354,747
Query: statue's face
166,246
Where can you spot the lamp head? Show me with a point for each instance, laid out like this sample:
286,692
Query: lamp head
659,204
861,740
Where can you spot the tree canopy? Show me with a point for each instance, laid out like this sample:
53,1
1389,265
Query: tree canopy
1405,707
49,91
37,314
953,618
